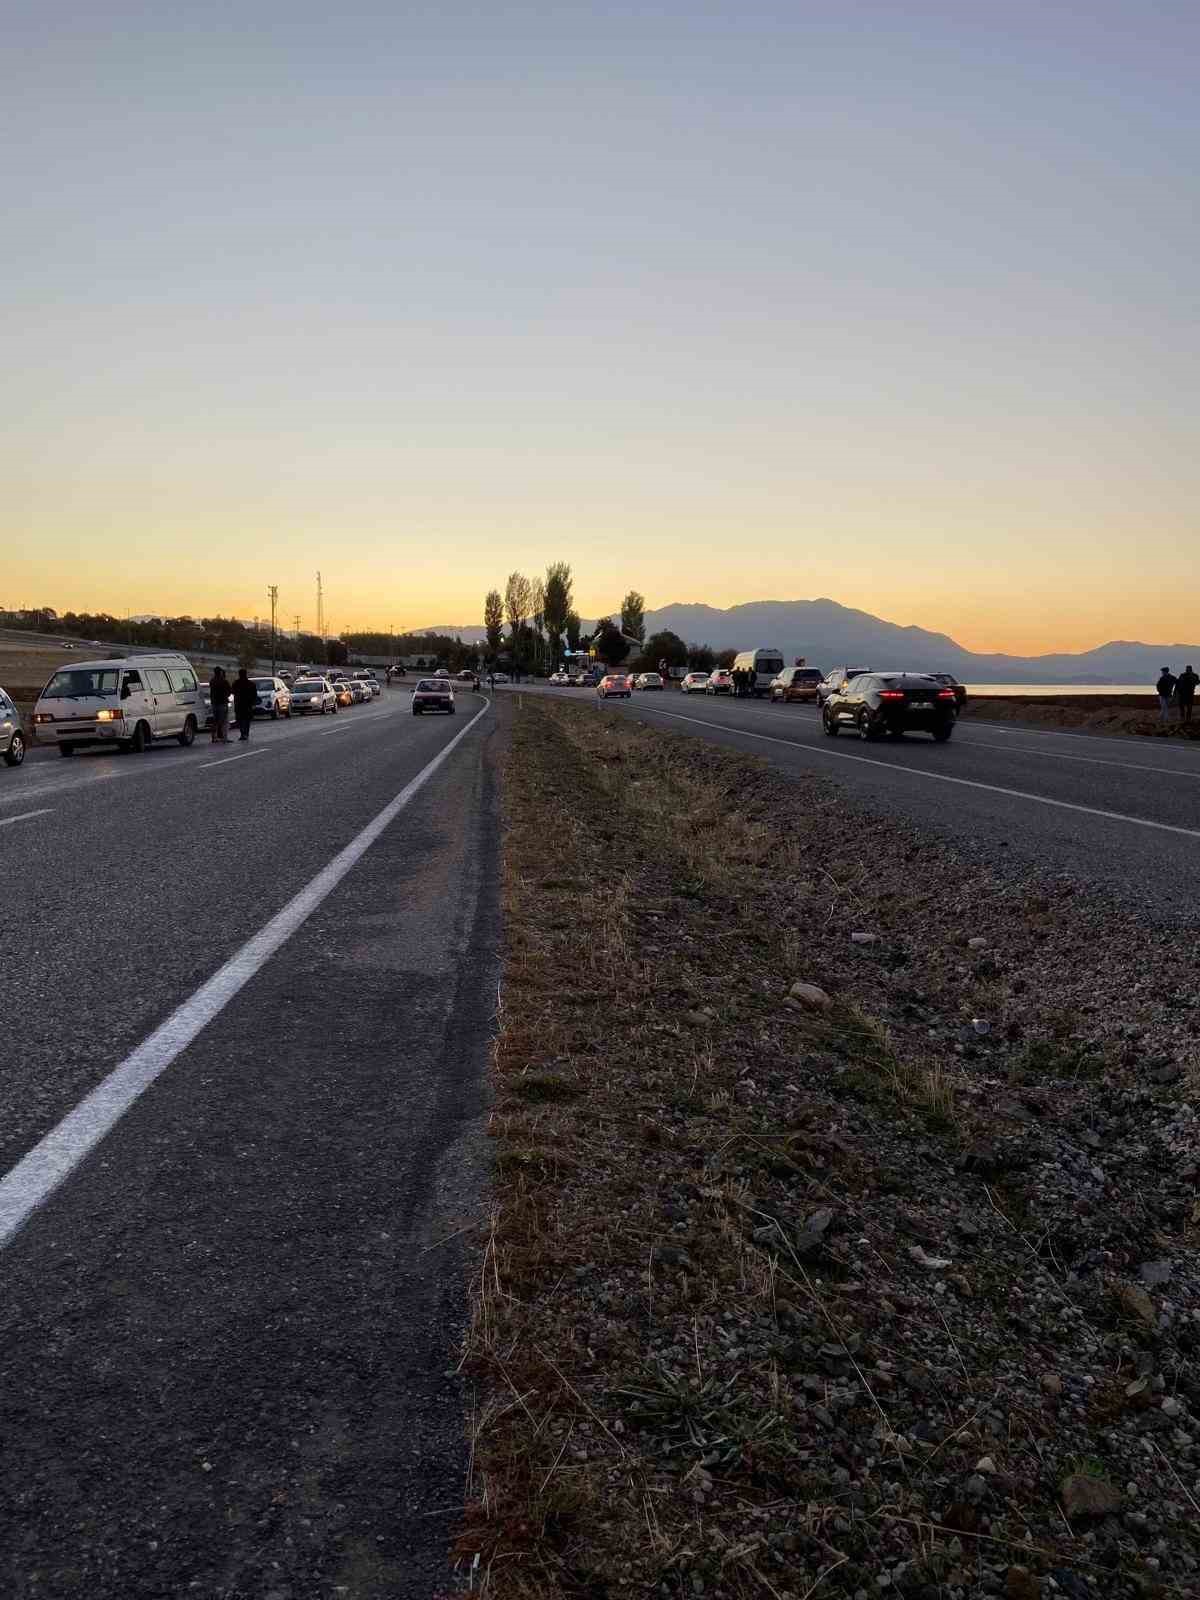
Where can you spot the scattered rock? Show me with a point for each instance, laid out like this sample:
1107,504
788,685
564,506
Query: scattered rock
1052,1384
977,944
1155,1272
1136,1302
934,1263
1172,1407
985,1464
1085,1496
810,995
864,938
819,1221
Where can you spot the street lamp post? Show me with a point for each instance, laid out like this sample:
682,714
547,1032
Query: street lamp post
273,592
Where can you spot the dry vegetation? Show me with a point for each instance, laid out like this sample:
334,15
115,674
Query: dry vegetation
784,1298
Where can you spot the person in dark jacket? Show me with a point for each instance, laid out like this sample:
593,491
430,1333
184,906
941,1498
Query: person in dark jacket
218,692
1185,692
245,698
1165,688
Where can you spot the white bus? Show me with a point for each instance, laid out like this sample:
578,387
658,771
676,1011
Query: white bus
766,664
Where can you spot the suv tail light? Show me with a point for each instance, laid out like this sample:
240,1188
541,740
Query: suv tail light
946,694
891,694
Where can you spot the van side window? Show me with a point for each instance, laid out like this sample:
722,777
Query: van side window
182,682
132,683
158,680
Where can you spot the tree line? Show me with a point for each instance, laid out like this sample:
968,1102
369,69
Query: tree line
543,624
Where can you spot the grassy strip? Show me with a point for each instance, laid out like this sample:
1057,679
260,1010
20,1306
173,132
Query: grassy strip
715,1354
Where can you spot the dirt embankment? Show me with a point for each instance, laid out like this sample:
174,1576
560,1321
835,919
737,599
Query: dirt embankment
847,1232
1120,714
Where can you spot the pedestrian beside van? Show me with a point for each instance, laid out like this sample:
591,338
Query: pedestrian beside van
127,703
760,667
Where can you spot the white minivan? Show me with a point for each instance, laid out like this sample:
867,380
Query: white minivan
128,703
766,664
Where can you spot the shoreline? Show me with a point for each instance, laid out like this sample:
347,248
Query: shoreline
1122,714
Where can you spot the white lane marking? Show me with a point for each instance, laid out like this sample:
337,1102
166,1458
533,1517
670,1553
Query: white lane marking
938,777
36,1176
1091,761
59,788
25,816
224,761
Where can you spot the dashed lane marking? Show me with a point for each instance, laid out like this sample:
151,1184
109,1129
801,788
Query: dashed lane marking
25,816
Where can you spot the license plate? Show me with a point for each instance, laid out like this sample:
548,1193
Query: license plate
920,705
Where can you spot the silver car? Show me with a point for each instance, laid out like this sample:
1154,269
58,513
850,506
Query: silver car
313,695
12,735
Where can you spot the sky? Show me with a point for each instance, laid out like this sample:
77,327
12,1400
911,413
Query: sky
893,303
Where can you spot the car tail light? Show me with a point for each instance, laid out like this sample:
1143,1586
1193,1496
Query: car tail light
946,694
891,694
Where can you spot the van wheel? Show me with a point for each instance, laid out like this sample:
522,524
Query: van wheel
66,749
139,741
188,736
15,753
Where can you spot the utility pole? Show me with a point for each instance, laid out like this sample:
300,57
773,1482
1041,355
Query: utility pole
273,596
320,611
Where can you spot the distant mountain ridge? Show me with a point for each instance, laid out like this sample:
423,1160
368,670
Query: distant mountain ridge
828,635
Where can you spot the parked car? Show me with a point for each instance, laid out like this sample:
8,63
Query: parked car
648,680
126,703
343,691
433,694
12,737
442,672
720,681
614,686
369,682
875,703
693,682
796,683
499,677
274,698
313,695
835,680
359,693
559,678
764,664
949,681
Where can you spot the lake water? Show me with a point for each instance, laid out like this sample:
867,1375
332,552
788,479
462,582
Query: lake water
1025,689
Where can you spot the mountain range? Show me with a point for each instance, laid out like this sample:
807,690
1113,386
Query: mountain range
828,635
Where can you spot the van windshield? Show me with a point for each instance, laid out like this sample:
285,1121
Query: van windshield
77,683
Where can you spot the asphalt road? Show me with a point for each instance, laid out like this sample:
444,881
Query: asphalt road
1118,813
228,1335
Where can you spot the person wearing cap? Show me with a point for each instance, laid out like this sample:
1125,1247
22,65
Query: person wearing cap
1165,688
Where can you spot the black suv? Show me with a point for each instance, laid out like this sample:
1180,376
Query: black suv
875,703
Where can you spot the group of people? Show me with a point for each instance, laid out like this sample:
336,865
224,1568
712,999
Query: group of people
1181,689
244,697
744,679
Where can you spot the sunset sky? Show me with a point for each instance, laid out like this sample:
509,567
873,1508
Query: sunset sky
892,302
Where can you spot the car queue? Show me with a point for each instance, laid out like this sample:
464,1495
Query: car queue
857,699
130,703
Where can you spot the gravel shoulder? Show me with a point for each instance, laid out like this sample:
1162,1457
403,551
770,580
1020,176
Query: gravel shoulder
846,1224
1132,715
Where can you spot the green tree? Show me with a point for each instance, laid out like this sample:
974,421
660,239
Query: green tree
573,626
610,645
700,657
517,597
633,615
665,646
493,620
557,607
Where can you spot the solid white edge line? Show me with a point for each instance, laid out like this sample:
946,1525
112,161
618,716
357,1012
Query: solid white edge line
225,760
39,1173
938,777
25,816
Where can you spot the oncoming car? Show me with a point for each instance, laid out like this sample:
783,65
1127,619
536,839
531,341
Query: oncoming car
614,686
313,695
433,694
895,703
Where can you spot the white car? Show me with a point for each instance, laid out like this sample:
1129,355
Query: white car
500,677
648,680
559,678
694,683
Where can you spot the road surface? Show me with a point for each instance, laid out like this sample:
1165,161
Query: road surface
228,1333
1121,813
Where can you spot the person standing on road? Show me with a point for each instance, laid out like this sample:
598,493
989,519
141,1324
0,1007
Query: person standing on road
751,680
1165,688
1185,692
218,691
245,697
